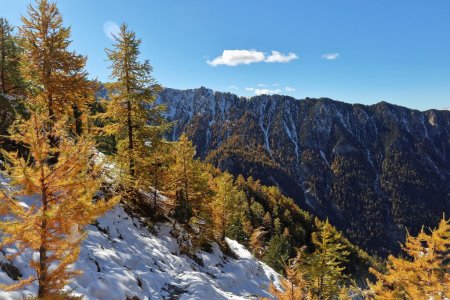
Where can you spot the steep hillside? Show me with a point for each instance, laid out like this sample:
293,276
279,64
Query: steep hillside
122,258
373,170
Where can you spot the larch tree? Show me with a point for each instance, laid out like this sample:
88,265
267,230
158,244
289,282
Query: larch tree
60,172
134,118
56,74
187,176
323,268
227,204
159,162
257,243
62,192
188,185
268,222
288,291
425,271
293,287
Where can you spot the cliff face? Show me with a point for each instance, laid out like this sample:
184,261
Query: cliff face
374,171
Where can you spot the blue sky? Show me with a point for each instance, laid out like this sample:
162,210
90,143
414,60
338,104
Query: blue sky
356,51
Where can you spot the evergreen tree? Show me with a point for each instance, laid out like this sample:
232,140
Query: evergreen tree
323,268
182,208
134,118
57,74
257,213
11,81
278,252
423,274
63,199
236,229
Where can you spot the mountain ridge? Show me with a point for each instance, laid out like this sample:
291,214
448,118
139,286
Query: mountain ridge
354,163
249,98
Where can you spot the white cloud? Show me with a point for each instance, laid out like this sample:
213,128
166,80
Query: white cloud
246,57
263,91
289,89
237,57
261,85
267,91
330,56
276,84
278,57
111,29
232,87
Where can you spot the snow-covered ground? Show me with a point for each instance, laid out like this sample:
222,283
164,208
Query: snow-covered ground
122,259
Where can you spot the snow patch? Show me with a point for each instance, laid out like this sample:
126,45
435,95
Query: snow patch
121,258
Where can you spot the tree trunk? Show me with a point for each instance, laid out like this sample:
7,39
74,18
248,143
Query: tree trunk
130,139
77,120
52,159
51,113
292,292
129,121
3,80
319,293
42,276
222,238
224,215
155,191
186,184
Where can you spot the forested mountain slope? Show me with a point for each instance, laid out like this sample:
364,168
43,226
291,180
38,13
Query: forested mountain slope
374,171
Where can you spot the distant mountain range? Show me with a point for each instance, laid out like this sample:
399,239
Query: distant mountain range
374,171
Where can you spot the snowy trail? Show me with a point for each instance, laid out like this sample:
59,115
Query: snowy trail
121,259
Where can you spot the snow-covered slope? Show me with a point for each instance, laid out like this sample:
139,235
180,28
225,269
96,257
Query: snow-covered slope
122,259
